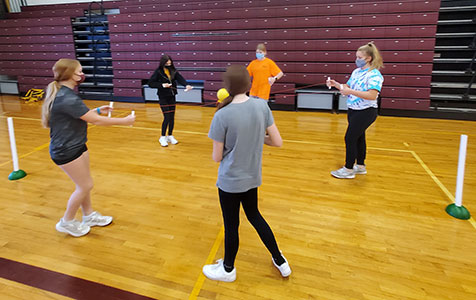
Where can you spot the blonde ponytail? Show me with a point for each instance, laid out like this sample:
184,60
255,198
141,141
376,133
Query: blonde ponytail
51,92
371,50
63,70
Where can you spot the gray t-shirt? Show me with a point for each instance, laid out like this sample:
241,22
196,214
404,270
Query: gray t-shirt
68,132
241,127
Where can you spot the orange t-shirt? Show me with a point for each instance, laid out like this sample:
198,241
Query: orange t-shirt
261,70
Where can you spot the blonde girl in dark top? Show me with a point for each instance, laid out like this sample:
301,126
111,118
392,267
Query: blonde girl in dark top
67,117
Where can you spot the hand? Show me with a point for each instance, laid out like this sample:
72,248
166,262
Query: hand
129,120
188,88
345,91
166,85
271,80
332,83
105,109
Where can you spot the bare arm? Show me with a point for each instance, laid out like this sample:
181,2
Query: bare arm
217,154
273,79
95,119
280,74
346,90
366,95
273,138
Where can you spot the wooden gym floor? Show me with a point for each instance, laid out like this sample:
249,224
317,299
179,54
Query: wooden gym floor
384,235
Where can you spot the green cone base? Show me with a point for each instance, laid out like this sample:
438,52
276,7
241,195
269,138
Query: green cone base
459,212
15,175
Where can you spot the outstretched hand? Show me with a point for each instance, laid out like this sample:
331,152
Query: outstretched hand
105,109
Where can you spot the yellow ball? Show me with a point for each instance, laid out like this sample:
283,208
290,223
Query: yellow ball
222,94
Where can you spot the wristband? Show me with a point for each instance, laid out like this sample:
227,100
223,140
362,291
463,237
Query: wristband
98,111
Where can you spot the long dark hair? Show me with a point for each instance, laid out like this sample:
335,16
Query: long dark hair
236,81
163,60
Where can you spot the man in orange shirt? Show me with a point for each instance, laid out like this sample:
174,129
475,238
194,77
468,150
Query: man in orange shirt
264,72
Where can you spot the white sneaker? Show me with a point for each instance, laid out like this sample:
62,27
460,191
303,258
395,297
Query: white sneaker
284,267
217,272
96,219
163,141
172,140
358,169
343,173
73,227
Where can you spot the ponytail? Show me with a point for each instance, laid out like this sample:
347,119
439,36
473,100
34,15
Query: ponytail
371,50
237,81
51,92
63,70
224,102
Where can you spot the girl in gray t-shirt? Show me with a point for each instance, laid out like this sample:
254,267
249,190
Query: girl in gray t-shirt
238,131
67,117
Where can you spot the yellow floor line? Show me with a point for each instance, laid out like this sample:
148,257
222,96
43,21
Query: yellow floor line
211,256
39,148
36,149
438,182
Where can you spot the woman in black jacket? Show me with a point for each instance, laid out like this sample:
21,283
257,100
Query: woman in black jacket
165,79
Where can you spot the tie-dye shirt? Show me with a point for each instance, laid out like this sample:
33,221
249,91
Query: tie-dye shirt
364,80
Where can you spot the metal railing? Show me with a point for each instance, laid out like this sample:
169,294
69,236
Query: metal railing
14,6
92,28
470,70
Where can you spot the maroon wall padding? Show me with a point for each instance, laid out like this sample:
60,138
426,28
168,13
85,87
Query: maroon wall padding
30,47
309,40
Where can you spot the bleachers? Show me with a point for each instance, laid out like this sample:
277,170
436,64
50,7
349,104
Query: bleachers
309,39
29,48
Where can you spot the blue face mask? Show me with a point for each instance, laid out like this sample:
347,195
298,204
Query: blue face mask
359,62
259,56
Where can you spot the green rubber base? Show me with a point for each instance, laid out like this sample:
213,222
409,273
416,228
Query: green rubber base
459,212
15,175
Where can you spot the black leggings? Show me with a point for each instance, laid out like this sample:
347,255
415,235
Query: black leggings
230,206
355,145
167,104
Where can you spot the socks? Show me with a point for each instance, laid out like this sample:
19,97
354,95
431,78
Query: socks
227,268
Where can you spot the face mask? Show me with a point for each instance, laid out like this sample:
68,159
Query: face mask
83,77
359,62
259,56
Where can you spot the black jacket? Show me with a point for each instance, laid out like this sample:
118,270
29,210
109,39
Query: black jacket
159,77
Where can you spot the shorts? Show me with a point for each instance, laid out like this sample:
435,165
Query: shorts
72,157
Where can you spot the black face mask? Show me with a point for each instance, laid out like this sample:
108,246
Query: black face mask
169,67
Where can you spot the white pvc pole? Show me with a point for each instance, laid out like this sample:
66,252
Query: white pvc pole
111,104
13,144
460,177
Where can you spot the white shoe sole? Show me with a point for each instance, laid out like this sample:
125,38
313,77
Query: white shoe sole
100,225
204,270
61,229
343,177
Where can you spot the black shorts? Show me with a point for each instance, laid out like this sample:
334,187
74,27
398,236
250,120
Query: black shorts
72,157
